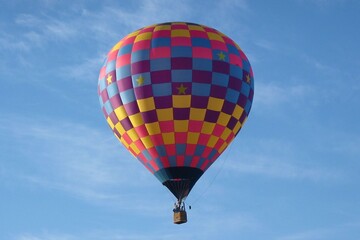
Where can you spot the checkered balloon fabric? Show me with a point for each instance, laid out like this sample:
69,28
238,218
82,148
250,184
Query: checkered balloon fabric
176,94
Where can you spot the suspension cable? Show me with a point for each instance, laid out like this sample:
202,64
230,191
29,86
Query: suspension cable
213,179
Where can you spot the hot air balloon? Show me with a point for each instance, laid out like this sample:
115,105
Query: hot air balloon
175,95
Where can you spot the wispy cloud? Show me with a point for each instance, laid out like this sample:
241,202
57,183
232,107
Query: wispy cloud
277,159
45,236
71,157
341,142
97,235
318,234
318,65
265,44
86,71
105,23
230,225
280,168
340,231
272,94
10,42
28,20
102,28
44,29
323,3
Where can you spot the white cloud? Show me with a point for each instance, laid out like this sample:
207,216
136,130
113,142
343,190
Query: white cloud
340,142
265,44
84,71
320,234
108,24
323,3
271,166
272,94
28,20
339,231
45,236
230,225
31,33
279,159
10,42
72,157
103,26
60,29
113,23
97,235
43,29
320,66
34,37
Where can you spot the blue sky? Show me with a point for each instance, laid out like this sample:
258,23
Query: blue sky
291,174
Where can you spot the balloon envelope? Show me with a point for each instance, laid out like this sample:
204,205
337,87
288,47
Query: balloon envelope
175,95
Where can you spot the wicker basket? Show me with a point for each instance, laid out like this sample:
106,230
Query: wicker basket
180,217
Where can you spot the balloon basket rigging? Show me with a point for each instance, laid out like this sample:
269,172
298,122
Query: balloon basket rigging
180,217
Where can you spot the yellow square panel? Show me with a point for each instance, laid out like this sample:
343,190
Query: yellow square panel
192,138
237,112
124,143
215,36
147,142
212,141
181,101
153,128
120,113
162,27
146,104
223,119
149,27
215,104
207,128
225,134
132,134
223,147
169,138
237,127
198,28
132,34
111,124
180,33
165,114
120,128
134,148
143,36
197,114
136,119
181,125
